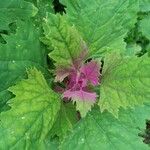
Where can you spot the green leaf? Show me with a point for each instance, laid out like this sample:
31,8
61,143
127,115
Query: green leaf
125,82
4,97
21,51
148,49
144,5
83,107
32,114
13,10
67,117
102,23
102,131
144,26
132,49
43,7
25,44
65,40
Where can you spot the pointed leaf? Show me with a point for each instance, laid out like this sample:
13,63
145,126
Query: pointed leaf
84,107
64,39
125,82
32,114
22,50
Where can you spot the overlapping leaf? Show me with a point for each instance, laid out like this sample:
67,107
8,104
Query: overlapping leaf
101,131
13,10
102,23
65,40
21,51
125,83
66,119
32,113
23,45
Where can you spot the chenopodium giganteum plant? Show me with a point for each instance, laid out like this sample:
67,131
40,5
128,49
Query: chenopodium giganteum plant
93,89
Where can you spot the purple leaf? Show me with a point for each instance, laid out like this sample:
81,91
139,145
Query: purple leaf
91,72
80,95
77,78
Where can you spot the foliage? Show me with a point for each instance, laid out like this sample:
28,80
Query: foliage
74,74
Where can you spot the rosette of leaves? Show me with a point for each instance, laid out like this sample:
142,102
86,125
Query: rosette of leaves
77,89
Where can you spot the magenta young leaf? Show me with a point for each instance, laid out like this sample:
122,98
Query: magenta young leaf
80,95
78,79
91,72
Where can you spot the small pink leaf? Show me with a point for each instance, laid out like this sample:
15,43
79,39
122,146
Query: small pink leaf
91,71
80,95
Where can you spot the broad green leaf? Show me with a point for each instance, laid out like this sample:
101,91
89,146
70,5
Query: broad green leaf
125,82
66,119
144,5
32,114
24,45
144,26
102,131
13,10
22,50
65,39
102,23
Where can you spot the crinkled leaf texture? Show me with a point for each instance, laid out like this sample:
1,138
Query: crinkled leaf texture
13,10
65,40
32,114
102,23
102,131
125,82
22,50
